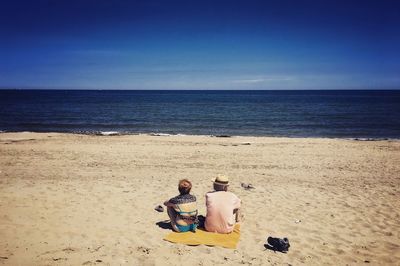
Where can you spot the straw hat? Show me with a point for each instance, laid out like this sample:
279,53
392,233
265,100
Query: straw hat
221,180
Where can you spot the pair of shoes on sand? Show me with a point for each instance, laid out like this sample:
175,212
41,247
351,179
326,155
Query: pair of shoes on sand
247,186
159,208
278,244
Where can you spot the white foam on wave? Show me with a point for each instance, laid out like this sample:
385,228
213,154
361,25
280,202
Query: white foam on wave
166,134
110,133
160,134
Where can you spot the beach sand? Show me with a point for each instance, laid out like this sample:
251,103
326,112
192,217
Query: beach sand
68,199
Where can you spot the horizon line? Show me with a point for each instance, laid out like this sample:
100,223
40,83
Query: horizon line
47,88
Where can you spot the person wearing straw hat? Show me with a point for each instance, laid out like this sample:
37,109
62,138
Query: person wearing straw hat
222,207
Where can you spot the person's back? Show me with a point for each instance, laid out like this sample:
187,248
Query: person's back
222,208
182,209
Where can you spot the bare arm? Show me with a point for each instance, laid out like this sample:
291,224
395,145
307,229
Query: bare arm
237,215
237,212
169,204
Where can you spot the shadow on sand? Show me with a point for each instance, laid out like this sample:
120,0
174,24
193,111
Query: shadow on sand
166,224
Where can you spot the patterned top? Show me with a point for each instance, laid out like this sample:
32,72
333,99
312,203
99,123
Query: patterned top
181,199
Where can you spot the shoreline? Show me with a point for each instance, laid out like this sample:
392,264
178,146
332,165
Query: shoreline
161,134
80,199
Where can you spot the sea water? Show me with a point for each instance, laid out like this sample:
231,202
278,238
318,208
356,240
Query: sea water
316,113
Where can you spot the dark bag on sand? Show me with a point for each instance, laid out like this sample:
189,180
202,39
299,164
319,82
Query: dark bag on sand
279,244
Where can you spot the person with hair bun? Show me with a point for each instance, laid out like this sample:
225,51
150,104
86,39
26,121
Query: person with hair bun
182,209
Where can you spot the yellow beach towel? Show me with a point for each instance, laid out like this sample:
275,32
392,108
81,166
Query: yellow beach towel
206,238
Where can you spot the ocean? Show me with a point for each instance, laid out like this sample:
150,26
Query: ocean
318,113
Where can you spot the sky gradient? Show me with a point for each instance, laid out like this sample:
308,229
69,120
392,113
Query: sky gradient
200,44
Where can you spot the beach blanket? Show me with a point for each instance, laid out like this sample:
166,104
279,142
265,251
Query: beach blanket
206,238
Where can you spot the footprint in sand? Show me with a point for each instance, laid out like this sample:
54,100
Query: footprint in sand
144,250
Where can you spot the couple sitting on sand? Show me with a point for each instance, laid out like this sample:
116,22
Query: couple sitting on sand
222,208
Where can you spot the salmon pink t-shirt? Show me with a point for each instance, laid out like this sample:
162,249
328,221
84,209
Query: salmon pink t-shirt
220,217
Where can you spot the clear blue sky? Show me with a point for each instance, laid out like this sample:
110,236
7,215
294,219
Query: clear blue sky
200,44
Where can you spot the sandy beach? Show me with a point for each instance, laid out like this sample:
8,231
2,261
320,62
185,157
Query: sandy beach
68,199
